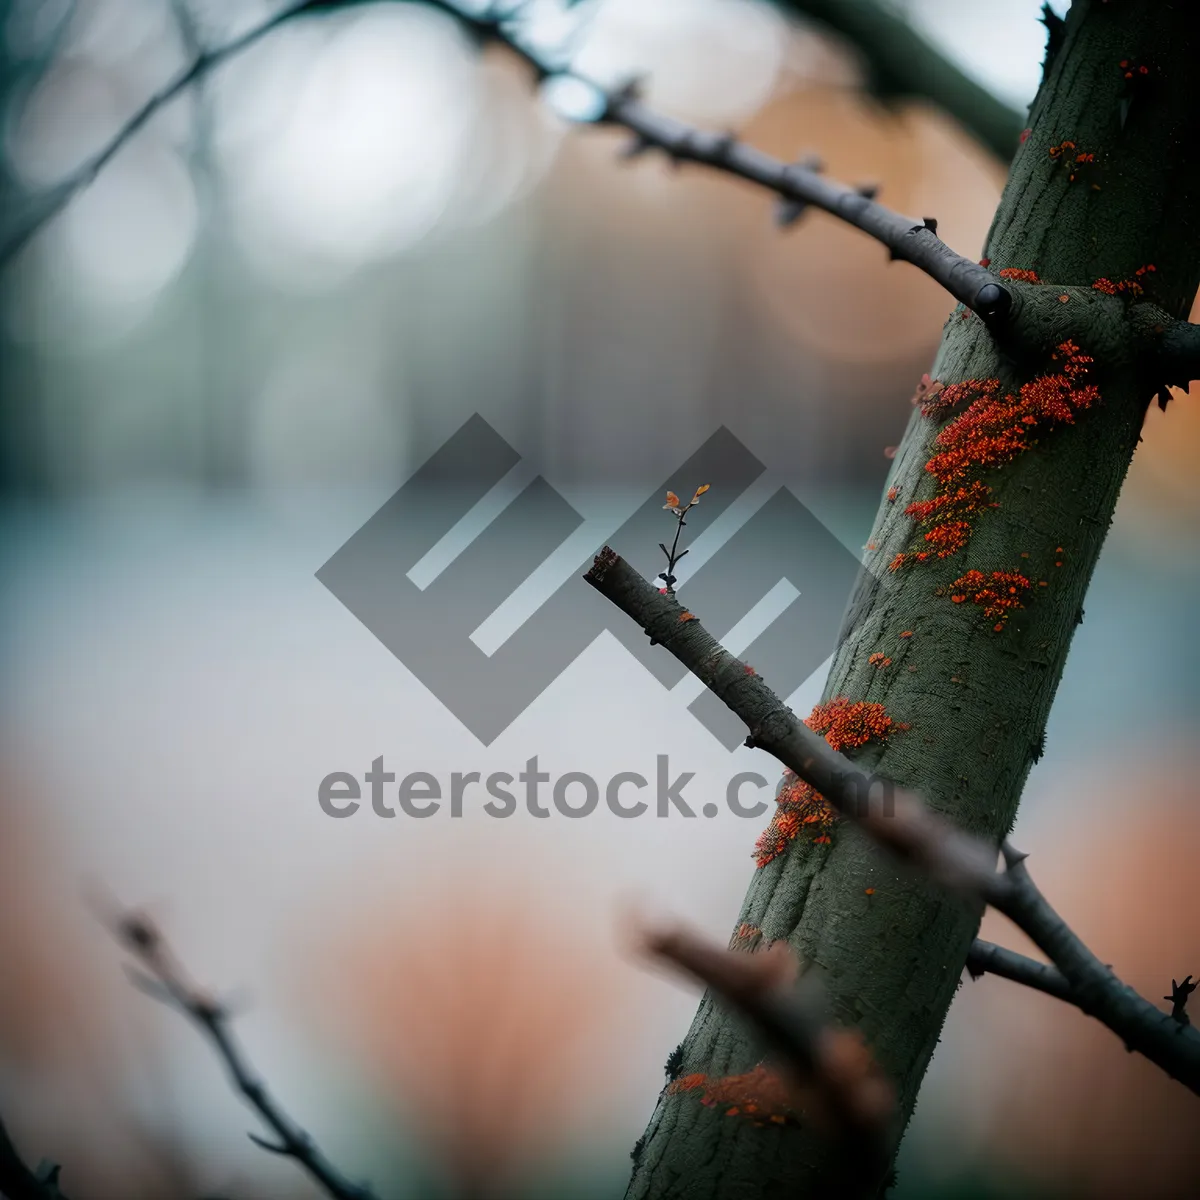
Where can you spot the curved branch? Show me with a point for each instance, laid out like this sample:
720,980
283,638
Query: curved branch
799,185
168,983
900,62
1095,989
904,824
986,958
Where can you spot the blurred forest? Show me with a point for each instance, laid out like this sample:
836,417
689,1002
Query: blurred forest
222,356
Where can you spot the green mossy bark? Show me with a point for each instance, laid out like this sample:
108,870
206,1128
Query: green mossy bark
976,701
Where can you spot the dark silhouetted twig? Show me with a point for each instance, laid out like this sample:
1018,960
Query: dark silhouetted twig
165,980
1179,998
799,185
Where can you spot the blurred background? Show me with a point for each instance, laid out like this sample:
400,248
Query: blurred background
221,357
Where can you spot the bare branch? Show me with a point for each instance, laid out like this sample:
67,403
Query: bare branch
903,823
799,185
1095,989
167,981
828,1064
986,958
902,63
898,819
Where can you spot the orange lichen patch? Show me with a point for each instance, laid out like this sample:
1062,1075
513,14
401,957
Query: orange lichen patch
893,492
1074,159
868,891
947,517
1130,288
1019,275
745,937
687,616
992,431
939,403
907,633
760,1095
999,594
847,724
879,660
800,808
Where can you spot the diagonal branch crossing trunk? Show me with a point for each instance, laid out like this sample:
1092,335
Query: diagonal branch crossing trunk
1105,185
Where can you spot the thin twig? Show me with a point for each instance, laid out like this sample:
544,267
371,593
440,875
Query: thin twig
799,185
986,958
167,982
902,822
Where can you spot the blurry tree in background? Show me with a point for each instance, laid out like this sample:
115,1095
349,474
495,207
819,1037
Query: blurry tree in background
991,524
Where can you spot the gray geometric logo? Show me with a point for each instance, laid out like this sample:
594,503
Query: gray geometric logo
429,629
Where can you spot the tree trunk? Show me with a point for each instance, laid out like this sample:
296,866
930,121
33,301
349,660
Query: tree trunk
970,687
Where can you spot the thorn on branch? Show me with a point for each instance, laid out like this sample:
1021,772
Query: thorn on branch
1055,32
635,147
788,211
1179,998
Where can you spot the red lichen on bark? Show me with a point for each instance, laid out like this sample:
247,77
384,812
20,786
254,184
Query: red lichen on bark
1131,288
1019,275
800,808
760,1095
999,594
1076,161
991,431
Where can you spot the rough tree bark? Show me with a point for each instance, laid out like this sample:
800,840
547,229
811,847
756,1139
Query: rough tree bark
975,699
